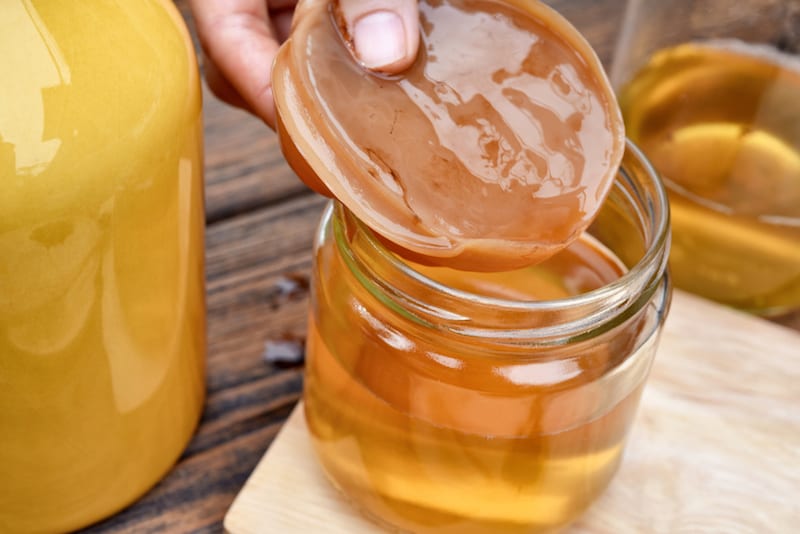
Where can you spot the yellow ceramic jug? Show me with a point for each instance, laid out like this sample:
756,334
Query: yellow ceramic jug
102,312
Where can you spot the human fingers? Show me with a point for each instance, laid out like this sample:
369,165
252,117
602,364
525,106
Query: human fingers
240,43
383,34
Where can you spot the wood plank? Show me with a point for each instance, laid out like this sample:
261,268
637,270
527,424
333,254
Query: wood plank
715,448
248,260
245,169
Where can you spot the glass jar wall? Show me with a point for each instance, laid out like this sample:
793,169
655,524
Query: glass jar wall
446,401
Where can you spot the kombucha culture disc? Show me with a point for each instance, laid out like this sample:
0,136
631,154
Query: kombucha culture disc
493,151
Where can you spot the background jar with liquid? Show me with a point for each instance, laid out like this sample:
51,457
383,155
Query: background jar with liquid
446,401
102,313
710,90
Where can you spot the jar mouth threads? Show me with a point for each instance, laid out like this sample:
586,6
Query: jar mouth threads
634,225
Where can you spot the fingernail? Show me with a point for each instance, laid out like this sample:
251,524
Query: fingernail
379,39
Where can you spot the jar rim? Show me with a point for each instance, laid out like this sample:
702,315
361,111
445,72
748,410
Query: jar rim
609,300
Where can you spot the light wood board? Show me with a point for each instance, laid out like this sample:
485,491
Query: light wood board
715,448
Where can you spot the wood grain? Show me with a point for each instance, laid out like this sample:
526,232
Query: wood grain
245,169
715,448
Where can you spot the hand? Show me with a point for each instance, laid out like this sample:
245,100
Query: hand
241,37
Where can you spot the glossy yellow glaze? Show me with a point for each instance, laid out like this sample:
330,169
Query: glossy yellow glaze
102,313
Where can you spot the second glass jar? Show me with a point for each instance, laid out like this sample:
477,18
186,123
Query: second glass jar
710,90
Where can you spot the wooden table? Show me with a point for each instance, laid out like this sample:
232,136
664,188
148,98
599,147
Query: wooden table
260,226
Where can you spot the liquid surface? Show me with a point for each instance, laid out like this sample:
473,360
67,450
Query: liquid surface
721,122
492,151
102,327
436,436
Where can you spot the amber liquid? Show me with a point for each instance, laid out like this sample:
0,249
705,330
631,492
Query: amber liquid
428,434
721,122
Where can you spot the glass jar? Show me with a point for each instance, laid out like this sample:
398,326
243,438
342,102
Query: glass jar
710,90
102,312
445,401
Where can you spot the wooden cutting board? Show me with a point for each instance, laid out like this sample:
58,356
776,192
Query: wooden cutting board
715,448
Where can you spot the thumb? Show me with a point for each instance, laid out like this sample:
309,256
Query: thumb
384,34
